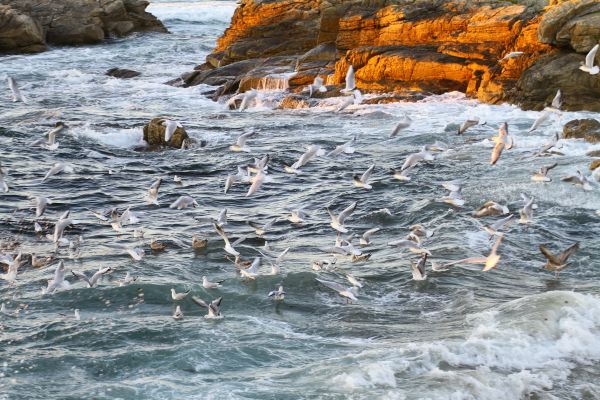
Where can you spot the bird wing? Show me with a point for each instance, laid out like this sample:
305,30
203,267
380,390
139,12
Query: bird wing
221,233
346,212
368,233
81,276
551,257
544,169
557,101
241,140
564,256
591,56
238,240
472,260
365,177
332,285
216,303
199,302
350,80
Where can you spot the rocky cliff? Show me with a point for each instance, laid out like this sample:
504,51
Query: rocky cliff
29,25
407,46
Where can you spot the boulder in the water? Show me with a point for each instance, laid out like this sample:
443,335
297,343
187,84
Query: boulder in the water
122,73
594,164
588,129
154,134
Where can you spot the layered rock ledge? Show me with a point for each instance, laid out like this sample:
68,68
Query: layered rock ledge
427,46
28,26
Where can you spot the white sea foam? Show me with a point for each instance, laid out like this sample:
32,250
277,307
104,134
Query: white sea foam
205,11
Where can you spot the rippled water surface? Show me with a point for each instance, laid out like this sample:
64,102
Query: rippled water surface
515,332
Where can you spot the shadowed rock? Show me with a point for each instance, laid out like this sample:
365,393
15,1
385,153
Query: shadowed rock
588,129
122,73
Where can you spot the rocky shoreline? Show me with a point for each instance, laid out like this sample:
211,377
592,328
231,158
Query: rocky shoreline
417,46
29,26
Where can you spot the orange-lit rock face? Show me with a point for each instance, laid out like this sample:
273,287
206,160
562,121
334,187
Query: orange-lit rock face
431,46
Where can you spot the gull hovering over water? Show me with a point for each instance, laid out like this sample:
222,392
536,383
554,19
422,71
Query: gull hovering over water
488,262
240,143
3,185
343,148
170,128
454,198
415,158
468,124
356,98
297,216
228,246
402,176
493,229
16,93
56,169
309,154
317,86
362,181
252,271
350,294
152,195
418,269
502,141
365,239
526,212
94,278
579,180
61,224
590,59
247,97
58,282
350,80
403,124
337,222
51,143
261,230
135,253
40,205
558,263
214,307
220,221
13,267
128,279
510,55
545,115
541,175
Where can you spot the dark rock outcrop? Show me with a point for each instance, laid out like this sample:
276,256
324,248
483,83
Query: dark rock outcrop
19,32
77,22
430,46
154,135
594,164
122,73
588,129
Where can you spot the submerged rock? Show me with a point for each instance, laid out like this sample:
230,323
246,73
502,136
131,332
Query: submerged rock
122,73
76,22
588,129
154,135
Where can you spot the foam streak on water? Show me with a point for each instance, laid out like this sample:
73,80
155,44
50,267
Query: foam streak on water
512,333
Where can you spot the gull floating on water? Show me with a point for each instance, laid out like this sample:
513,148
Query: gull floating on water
198,243
178,314
184,202
179,296
40,262
325,265
362,181
214,307
590,59
94,278
279,294
297,216
558,263
206,284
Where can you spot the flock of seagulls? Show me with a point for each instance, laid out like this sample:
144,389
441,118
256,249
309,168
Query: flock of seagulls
256,175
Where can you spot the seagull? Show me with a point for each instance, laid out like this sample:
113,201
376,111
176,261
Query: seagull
350,294
51,143
362,181
240,143
179,296
3,185
512,54
526,212
420,231
184,202
156,245
170,128
177,179
40,262
542,174
56,169
214,307
229,182
415,158
489,262
418,269
279,294
326,265
544,116
403,124
297,216
178,314
261,230
17,96
247,98
350,80
558,263
365,239
128,279
252,271
343,148
37,227
411,245
76,315
402,175
467,124
556,102
61,224
317,86
135,253
490,208
40,205
493,229
337,222
58,282
309,154
13,267
356,99
355,282
590,58
220,221
95,277
152,195
198,243
455,197
503,140
206,284
258,180
579,180
228,246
